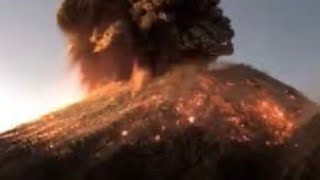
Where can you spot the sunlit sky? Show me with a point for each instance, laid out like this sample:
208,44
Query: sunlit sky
280,37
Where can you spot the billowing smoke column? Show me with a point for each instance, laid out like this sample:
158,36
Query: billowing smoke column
108,38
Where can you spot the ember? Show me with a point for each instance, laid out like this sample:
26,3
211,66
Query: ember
124,133
161,128
154,110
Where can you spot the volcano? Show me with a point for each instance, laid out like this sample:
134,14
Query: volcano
225,123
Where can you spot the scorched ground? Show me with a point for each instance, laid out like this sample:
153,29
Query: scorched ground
230,122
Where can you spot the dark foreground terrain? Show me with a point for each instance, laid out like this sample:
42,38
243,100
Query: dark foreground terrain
230,123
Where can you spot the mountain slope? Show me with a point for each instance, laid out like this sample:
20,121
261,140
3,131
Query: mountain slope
230,122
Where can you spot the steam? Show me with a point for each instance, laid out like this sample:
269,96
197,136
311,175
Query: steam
108,38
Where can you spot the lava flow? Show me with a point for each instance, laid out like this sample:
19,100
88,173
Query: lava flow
147,56
189,110
154,110
233,106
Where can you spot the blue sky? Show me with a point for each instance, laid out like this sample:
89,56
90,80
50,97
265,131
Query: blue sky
280,37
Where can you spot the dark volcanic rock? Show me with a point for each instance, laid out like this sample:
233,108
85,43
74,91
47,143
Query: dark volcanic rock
228,123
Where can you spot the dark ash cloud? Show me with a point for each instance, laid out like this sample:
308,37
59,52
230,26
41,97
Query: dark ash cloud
107,37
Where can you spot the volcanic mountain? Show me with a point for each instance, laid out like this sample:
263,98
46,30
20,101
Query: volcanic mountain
225,123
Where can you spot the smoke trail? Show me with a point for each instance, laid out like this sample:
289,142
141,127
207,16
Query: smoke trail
108,37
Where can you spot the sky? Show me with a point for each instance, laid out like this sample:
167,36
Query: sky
280,37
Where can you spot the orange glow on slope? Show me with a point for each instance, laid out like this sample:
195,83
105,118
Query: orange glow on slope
139,77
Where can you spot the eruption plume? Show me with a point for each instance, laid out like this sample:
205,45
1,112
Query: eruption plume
110,39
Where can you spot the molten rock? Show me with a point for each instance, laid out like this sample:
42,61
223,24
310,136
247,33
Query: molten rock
228,123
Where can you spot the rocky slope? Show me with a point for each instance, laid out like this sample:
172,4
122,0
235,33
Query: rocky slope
230,122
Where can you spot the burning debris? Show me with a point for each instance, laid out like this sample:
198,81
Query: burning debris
190,122
108,38
205,129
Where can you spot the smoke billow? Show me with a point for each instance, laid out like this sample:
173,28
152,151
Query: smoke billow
108,38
